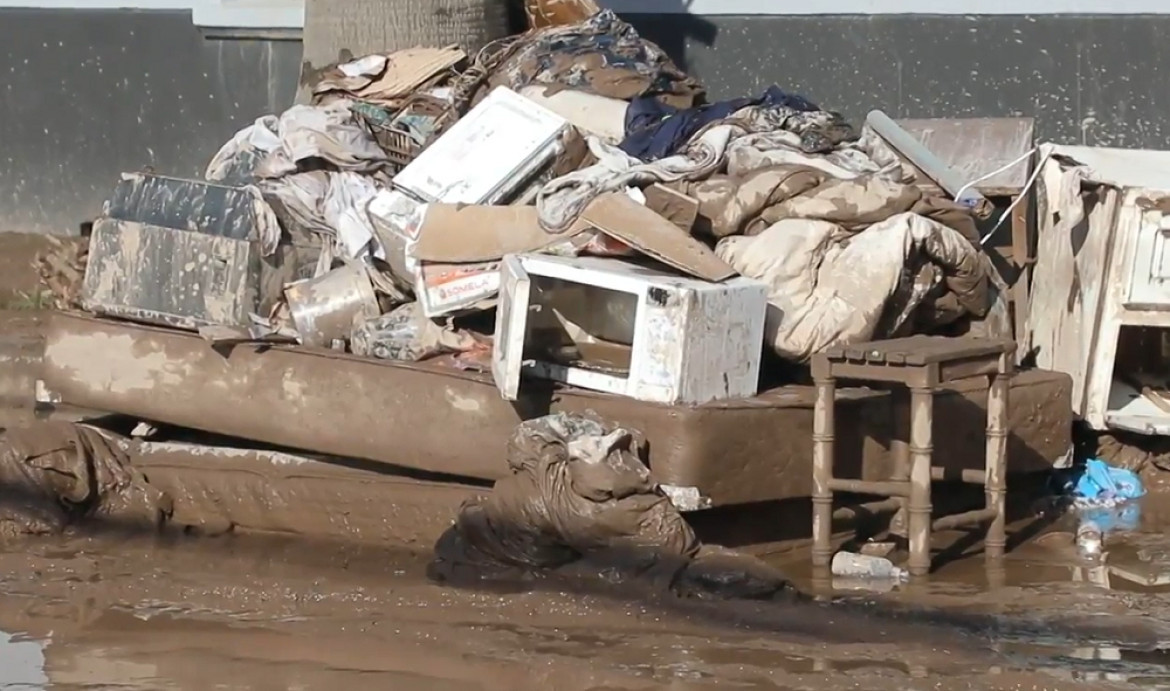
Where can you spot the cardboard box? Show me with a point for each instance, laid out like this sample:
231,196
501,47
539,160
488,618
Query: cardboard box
443,289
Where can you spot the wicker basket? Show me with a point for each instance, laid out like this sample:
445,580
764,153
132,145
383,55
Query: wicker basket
400,147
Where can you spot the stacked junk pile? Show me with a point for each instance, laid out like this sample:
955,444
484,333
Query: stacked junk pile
563,205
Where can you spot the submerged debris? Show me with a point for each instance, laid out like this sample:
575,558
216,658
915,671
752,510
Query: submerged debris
53,474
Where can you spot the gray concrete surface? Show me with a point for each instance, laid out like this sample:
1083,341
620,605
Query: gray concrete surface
88,94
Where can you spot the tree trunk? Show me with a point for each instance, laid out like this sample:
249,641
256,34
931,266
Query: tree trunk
340,29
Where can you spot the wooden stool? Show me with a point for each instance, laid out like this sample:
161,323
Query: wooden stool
920,363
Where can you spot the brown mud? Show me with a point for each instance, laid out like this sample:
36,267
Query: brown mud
252,613
107,609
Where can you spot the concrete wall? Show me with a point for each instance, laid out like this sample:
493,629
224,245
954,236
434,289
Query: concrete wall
87,94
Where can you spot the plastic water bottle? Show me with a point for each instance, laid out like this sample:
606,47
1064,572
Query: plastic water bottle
1090,540
862,566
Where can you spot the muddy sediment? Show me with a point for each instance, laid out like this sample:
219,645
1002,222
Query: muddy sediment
158,611
262,593
253,612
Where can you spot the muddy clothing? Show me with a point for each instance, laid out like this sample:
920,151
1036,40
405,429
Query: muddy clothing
655,130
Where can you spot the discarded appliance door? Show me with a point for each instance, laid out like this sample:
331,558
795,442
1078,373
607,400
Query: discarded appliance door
1101,290
193,205
171,277
511,326
613,326
186,254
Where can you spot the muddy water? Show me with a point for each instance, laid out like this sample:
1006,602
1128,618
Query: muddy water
106,612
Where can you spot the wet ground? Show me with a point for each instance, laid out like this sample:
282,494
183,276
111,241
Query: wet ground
137,612
105,611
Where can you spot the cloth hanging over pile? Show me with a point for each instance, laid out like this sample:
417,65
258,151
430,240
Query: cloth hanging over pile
275,147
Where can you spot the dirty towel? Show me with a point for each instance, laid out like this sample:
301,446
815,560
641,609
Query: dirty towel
602,55
829,286
580,488
330,205
55,473
561,201
406,334
655,130
298,201
328,133
238,160
344,209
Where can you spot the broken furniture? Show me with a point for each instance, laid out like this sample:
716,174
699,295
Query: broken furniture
975,148
452,422
614,326
922,364
1101,301
187,253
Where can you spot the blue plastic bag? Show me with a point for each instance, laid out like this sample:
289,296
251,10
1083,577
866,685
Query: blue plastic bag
1102,482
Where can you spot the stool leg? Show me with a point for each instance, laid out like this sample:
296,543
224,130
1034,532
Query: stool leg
996,464
921,451
900,446
823,471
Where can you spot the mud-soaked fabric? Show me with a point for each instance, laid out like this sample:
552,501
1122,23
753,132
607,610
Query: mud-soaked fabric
655,130
748,204
328,133
602,55
56,473
753,138
580,490
830,286
237,160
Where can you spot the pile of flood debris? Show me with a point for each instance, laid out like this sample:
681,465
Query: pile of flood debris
563,205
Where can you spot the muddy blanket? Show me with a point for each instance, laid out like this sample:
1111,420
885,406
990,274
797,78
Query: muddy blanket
749,199
580,490
830,286
755,137
55,473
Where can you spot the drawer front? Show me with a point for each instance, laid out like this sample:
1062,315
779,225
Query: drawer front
171,277
1149,281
